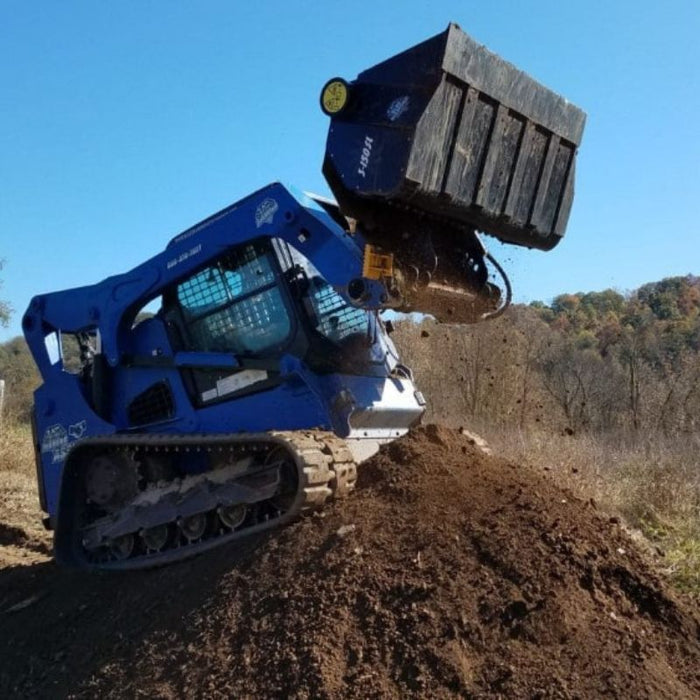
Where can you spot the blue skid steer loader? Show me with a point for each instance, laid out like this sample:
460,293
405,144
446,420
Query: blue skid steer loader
267,374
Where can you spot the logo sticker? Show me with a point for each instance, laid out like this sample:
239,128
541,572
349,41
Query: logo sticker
397,108
55,441
265,212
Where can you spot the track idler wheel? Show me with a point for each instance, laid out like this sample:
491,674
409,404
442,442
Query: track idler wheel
121,548
232,516
155,538
193,527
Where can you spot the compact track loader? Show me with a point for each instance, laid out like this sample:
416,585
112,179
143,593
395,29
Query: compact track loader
267,374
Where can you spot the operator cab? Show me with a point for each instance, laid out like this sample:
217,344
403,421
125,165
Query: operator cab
261,300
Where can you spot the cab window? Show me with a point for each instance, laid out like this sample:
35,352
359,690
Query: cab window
236,305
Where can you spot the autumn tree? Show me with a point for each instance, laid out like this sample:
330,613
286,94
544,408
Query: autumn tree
18,370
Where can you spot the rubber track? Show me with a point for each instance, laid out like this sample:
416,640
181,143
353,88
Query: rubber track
325,466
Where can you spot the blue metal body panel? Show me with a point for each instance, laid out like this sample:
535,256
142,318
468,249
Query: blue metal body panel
285,395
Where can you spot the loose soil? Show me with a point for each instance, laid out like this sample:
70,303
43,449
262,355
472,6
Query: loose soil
448,573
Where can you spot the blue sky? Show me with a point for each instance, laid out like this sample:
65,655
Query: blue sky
121,124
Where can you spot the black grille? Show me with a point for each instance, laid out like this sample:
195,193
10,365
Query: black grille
154,405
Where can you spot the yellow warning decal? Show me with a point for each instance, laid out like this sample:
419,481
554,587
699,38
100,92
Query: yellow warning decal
334,96
376,265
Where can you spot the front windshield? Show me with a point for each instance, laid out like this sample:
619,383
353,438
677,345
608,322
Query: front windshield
236,304
344,338
348,340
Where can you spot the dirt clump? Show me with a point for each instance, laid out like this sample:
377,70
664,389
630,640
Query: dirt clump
448,573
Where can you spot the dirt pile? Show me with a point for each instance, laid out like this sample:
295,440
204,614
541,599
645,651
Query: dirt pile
448,573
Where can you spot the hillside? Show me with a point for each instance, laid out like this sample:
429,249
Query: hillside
598,362
447,574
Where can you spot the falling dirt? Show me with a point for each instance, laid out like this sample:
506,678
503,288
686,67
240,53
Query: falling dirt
449,573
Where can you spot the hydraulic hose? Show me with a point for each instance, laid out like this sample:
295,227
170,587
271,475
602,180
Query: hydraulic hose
508,289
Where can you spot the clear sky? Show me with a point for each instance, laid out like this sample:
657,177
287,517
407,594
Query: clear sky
123,123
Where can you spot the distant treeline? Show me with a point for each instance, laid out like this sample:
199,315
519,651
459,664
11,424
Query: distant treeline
597,361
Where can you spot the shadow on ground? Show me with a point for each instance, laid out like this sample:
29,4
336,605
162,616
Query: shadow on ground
60,627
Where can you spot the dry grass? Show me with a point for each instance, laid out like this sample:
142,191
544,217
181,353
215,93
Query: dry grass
17,471
16,453
20,514
654,484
